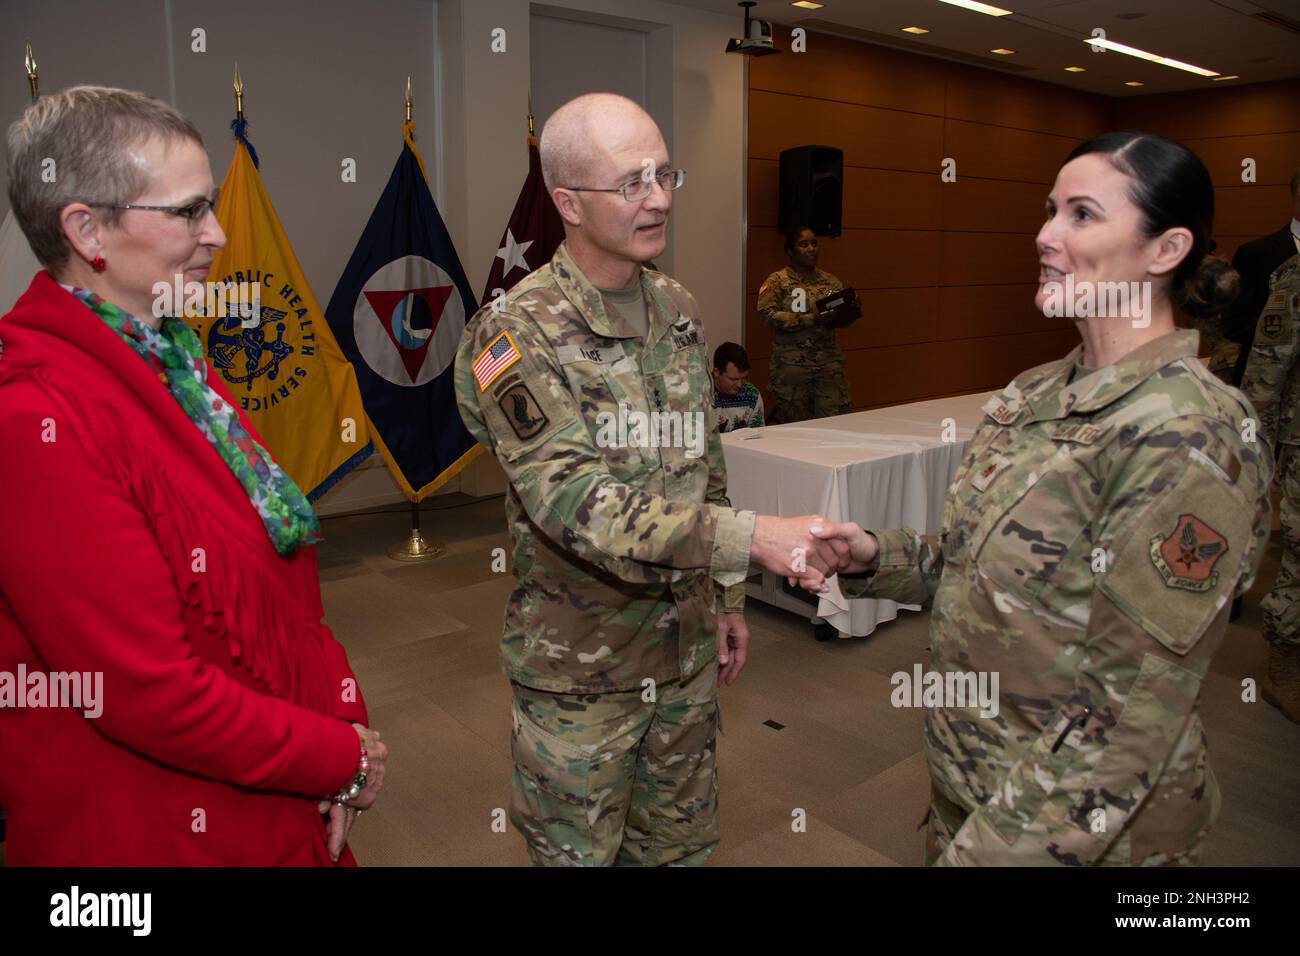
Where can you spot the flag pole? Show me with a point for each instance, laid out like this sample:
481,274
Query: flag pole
415,547
30,62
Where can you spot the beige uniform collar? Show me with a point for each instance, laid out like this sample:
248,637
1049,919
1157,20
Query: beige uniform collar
1106,385
586,298
1053,396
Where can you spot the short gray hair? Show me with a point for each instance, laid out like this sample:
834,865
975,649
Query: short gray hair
88,132
565,146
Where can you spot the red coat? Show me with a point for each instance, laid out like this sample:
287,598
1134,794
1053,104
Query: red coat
226,702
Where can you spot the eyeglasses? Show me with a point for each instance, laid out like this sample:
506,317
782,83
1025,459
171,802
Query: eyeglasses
193,214
638,189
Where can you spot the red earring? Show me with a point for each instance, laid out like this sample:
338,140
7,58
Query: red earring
98,264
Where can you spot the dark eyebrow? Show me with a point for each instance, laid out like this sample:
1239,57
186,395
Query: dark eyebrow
1086,199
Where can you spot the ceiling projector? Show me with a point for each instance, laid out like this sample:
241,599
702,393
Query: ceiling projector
757,39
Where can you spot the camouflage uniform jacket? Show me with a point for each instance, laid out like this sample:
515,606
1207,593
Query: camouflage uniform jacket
614,545
795,334
1093,540
1270,380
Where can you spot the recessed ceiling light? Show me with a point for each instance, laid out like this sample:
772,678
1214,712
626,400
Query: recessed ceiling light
916,30
1075,69
1134,83
1232,76
807,4
1002,51
979,7
1150,57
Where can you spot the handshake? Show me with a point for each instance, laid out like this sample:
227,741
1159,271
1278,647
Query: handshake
809,549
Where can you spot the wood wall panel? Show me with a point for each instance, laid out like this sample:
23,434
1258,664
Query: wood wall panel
946,271
1251,210
838,69
1254,109
886,198
1276,156
985,97
995,152
925,315
912,373
862,258
882,139
1223,126
991,205
972,258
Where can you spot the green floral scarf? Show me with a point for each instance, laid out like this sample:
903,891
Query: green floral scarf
175,353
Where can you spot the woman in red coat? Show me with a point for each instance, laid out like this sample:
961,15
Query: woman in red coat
168,693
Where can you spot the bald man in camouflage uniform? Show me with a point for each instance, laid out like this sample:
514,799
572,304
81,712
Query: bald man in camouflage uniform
1092,541
1272,383
806,373
616,637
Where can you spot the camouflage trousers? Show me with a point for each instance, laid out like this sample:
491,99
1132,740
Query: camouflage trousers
610,779
946,818
801,392
1282,606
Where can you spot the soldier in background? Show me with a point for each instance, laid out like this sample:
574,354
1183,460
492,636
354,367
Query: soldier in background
1272,383
807,370
616,636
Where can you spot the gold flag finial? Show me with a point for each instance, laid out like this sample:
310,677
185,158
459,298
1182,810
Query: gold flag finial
29,60
408,99
531,132
239,94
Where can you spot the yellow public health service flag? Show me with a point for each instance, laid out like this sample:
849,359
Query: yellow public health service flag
279,359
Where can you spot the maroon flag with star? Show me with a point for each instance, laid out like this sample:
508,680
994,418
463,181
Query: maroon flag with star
532,235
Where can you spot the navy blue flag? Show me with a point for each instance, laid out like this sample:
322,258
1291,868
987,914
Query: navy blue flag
398,313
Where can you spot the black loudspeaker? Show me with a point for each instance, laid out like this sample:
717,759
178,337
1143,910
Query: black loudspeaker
812,189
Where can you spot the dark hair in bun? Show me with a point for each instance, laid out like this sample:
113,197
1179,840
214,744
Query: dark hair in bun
1173,189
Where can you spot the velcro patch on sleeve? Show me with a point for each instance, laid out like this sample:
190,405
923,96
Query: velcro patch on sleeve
1178,565
522,411
499,355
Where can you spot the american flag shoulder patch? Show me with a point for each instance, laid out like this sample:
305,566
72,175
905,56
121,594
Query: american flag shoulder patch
495,359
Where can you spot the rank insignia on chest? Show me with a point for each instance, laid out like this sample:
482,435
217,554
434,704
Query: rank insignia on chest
988,471
522,411
1186,556
684,334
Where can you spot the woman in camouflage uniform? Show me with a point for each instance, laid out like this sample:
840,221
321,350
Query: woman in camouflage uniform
1107,510
807,369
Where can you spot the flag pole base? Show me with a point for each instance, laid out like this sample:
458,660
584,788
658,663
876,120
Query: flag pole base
416,547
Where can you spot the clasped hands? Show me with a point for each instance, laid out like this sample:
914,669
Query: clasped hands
343,815
809,549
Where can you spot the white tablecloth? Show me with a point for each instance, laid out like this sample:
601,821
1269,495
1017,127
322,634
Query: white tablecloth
884,468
